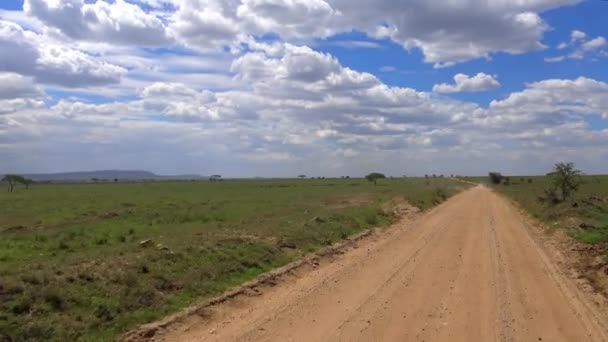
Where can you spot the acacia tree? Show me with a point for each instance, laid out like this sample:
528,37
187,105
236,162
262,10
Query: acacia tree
566,179
12,180
27,182
374,176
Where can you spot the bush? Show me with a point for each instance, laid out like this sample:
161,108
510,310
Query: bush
549,197
496,177
54,300
371,219
439,194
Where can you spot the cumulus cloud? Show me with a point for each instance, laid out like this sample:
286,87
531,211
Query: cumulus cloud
594,44
464,83
118,22
289,18
452,32
206,24
370,121
446,33
27,53
556,99
16,86
581,47
272,105
577,35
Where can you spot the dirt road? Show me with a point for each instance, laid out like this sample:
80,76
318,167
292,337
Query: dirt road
469,270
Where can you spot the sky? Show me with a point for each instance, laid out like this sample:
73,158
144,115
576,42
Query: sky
278,88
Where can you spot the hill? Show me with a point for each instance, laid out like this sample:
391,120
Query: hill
81,176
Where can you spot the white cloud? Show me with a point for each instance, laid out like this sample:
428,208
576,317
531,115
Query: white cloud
555,99
118,22
445,33
593,44
289,18
577,35
581,47
28,53
356,44
464,83
8,106
14,86
453,32
372,122
388,68
205,24
244,105
554,59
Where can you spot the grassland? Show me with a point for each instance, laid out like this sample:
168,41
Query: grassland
89,261
584,216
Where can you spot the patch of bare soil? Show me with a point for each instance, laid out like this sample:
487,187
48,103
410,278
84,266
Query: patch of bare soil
354,200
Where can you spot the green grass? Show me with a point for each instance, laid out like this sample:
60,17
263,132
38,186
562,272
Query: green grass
597,235
72,266
588,206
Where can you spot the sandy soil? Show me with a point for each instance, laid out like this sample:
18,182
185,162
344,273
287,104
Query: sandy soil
472,269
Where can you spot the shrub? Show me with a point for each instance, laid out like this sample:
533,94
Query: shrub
54,300
371,219
549,197
496,177
566,179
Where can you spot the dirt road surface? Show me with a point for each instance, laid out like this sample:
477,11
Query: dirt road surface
468,270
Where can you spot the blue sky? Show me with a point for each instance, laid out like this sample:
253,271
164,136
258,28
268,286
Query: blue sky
322,87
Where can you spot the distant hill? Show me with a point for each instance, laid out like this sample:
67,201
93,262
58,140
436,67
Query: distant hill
123,175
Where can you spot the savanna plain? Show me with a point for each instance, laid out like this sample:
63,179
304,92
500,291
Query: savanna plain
89,261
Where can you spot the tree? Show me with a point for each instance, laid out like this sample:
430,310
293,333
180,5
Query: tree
566,179
496,177
27,182
374,176
12,180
